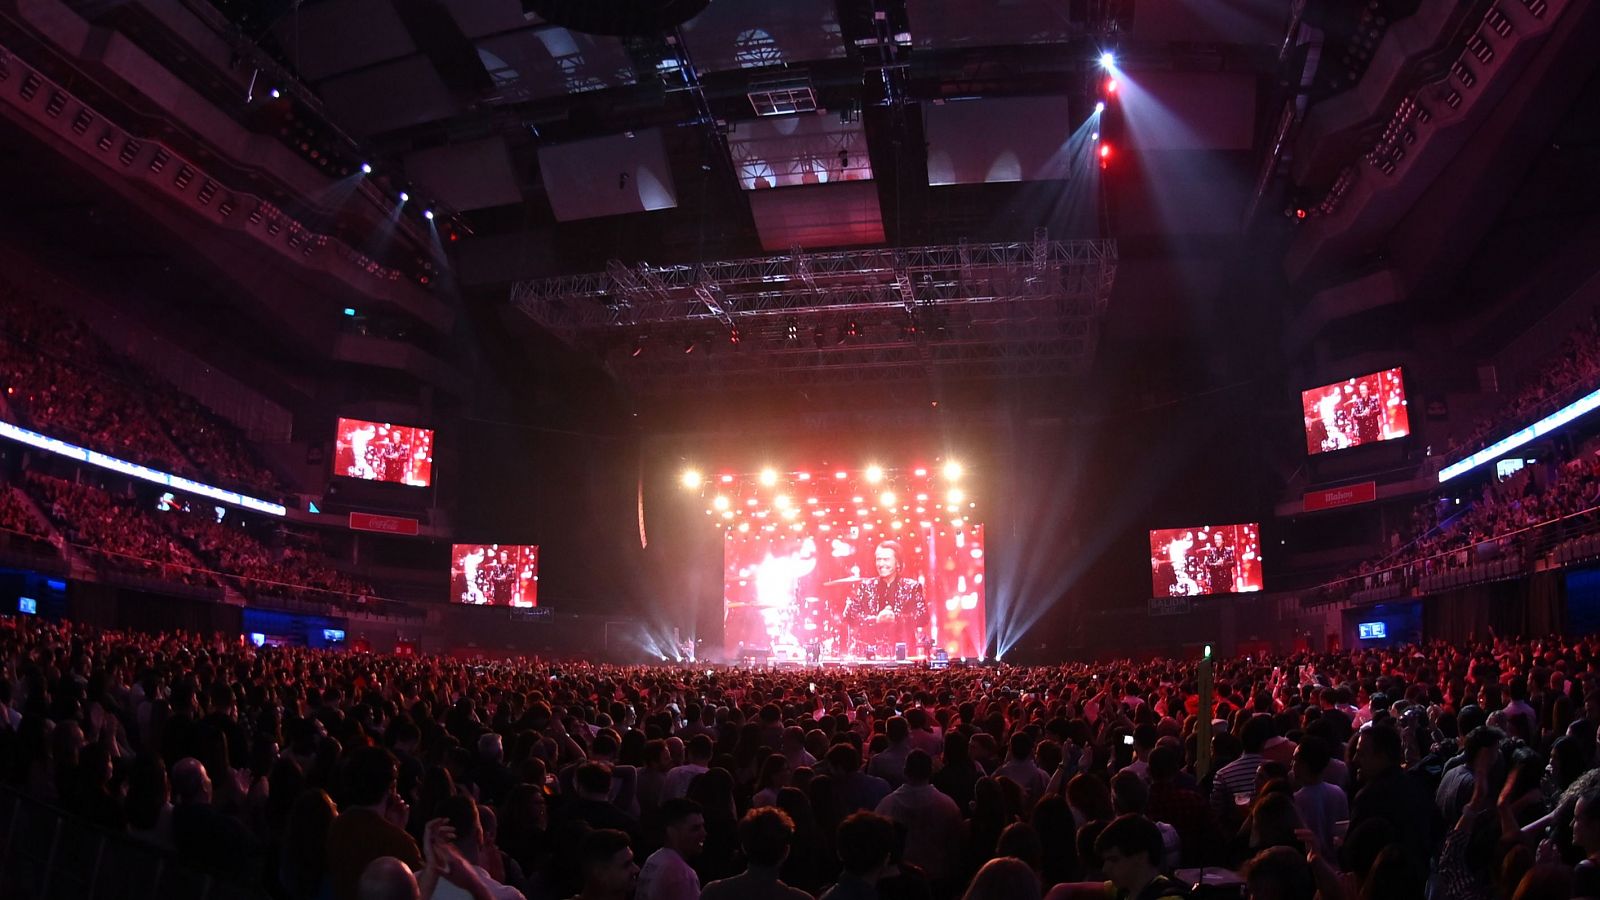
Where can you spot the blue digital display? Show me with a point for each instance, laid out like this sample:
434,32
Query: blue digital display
27,606
333,634
1371,631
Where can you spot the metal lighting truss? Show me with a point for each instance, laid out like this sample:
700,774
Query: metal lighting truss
965,311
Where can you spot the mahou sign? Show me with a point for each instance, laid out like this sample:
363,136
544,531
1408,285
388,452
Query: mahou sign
1349,495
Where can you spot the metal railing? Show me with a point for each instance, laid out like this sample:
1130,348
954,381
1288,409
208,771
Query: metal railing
1558,542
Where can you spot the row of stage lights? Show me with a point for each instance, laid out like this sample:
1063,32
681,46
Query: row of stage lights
317,150
694,479
1108,93
903,496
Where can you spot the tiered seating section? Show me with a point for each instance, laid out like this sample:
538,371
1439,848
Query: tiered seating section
61,380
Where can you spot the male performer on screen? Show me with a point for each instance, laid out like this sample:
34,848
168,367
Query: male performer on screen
1367,413
889,605
1219,565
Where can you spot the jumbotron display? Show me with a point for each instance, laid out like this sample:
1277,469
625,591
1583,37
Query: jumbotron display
1210,559
1355,412
851,567
494,574
379,451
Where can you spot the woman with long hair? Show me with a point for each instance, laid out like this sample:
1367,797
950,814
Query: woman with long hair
773,777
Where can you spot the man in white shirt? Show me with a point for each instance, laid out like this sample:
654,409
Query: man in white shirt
794,748
698,753
931,821
462,812
890,763
1021,768
667,874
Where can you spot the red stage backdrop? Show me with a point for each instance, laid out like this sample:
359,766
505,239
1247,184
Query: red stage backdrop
494,574
1355,411
379,451
1210,559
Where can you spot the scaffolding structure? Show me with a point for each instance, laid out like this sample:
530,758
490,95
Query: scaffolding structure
1021,309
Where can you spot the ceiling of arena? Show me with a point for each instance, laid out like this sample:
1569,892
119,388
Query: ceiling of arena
919,122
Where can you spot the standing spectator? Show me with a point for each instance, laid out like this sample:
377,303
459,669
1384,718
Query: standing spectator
866,843
766,835
930,821
1021,768
1130,854
667,874
371,824
890,762
605,861
1321,805
698,752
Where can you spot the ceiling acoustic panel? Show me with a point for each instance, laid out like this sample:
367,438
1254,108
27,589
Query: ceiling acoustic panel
817,216
385,97
995,23
997,140
323,39
801,149
470,175
480,18
539,63
608,176
756,34
1259,22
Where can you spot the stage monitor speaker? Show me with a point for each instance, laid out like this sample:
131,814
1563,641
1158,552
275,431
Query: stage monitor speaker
900,650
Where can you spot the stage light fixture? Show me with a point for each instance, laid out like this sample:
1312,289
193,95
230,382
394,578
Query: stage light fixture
953,471
275,94
956,496
1111,86
692,479
404,196
841,475
1099,106
769,477
727,479
688,346
744,527
888,499
638,348
781,501
803,476
721,503
366,168
1095,136
1108,60
428,214
874,474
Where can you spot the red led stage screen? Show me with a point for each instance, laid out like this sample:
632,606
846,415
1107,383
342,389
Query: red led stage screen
1355,412
494,574
1210,559
825,576
378,451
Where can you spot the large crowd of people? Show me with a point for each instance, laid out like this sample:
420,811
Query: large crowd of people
263,570
116,533
1469,771
59,378
1450,535
1571,372
170,541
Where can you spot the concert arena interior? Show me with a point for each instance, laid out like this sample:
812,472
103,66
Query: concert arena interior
831,449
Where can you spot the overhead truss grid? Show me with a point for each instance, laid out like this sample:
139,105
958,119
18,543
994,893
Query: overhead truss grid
965,311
